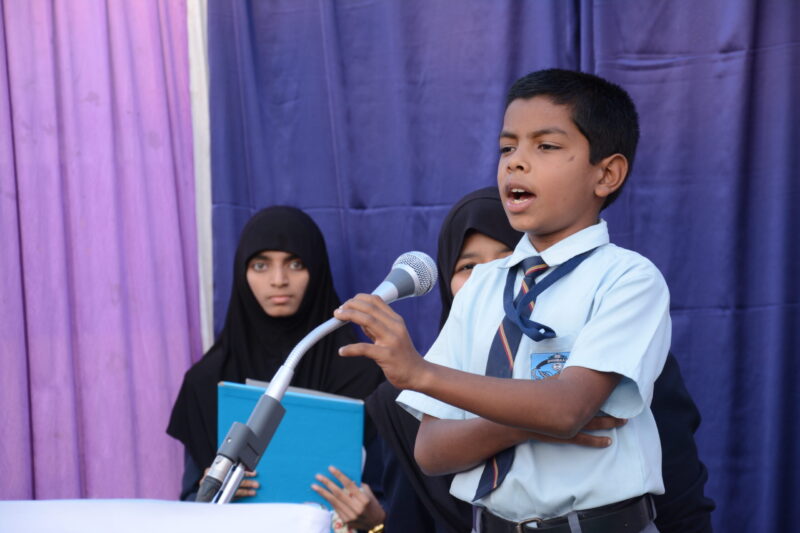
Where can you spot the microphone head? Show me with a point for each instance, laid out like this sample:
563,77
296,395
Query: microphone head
421,268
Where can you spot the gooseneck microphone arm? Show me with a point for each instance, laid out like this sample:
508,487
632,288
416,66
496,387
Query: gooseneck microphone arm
413,274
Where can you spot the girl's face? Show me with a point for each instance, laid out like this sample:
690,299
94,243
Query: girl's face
477,249
278,281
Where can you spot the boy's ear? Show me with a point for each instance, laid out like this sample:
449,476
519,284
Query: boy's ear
614,170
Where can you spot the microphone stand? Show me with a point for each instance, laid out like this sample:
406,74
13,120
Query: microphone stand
244,444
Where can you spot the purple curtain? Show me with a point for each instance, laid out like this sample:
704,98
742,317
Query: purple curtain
98,313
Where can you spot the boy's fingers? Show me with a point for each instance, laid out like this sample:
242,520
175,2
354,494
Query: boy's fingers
362,349
367,322
604,422
369,303
364,307
593,441
371,323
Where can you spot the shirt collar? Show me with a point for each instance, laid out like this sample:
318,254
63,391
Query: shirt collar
562,251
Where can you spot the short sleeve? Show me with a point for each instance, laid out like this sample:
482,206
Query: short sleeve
628,333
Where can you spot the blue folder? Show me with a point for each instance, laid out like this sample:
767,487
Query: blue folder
317,430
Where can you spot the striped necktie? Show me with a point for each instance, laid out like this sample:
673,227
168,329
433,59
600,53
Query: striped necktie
501,364
506,342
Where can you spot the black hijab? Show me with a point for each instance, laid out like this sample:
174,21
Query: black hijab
254,345
479,211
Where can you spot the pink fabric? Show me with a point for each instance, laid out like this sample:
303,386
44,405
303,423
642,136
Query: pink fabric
99,313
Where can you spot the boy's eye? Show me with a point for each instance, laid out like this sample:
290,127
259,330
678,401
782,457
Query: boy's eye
548,146
506,149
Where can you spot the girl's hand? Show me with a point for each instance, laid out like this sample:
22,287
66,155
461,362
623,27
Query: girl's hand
246,488
358,507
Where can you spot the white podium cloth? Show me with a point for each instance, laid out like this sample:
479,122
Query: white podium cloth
153,516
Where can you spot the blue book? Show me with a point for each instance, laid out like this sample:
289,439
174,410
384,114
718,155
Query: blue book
317,430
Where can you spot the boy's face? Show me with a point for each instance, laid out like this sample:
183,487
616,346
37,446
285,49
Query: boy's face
546,182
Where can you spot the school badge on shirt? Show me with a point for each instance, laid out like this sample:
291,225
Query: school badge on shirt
545,365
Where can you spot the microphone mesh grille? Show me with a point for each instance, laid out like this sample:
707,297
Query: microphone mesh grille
423,266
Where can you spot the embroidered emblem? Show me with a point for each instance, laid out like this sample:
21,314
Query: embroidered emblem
545,365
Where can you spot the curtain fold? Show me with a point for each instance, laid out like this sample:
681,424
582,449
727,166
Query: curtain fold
102,293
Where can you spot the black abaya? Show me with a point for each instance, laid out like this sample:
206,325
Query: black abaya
254,345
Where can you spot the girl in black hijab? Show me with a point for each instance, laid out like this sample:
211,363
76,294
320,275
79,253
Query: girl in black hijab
254,344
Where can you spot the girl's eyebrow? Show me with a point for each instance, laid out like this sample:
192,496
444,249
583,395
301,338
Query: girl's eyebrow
265,257
469,255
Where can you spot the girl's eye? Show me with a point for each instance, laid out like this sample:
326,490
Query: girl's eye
259,266
296,265
466,266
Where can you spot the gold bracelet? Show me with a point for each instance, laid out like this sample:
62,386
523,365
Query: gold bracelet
376,529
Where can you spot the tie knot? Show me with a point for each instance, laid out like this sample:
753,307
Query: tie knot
533,266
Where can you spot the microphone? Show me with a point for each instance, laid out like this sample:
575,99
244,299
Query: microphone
412,274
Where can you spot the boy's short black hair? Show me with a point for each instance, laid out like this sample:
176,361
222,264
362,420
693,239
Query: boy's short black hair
602,111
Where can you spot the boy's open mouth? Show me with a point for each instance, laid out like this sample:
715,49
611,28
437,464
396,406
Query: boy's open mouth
518,195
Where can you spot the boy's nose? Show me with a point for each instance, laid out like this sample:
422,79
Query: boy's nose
516,163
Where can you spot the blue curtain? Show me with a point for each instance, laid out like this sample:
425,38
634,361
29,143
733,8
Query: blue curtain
375,116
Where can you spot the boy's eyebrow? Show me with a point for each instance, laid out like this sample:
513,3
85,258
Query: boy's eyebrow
538,133
547,131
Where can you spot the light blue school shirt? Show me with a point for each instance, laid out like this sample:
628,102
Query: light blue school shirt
610,314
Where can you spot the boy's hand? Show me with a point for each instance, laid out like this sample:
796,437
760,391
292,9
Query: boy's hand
450,446
392,349
582,438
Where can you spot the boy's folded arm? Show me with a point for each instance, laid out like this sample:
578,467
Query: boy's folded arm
557,407
448,446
